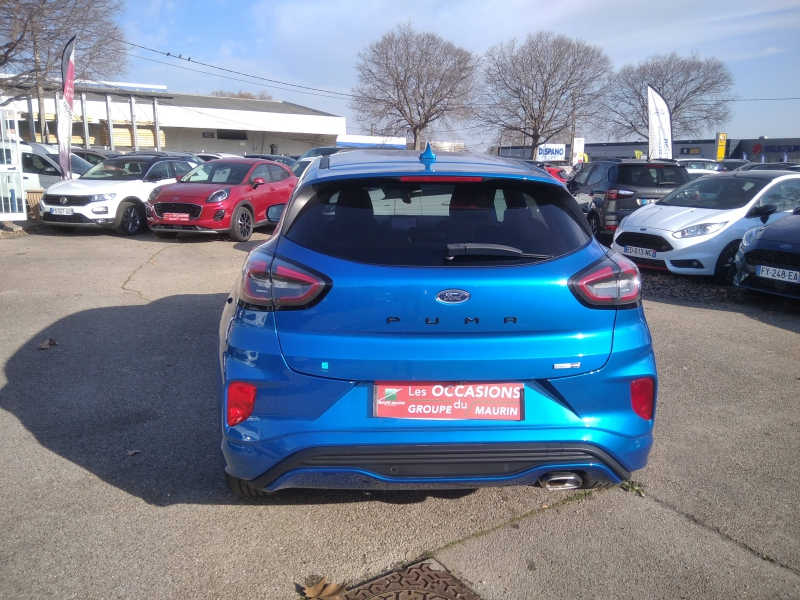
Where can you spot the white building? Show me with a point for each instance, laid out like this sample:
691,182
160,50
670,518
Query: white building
127,118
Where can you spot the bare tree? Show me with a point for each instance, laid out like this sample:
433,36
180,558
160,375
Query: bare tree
35,32
260,95
407,81
539,88
696,90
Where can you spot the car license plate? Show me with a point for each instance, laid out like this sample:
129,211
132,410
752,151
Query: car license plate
448,401
779,274
643,201
60,211
634,251
176,216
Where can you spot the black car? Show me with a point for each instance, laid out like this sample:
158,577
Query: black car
610,189
776,166
95,156
168,154
769,258
286,160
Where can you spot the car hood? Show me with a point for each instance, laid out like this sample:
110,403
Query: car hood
189,191
786,229
673,218
82,187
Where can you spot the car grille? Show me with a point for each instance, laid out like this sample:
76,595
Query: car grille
771,285
648,263
71,200
773,258
193,210
643,240
50,218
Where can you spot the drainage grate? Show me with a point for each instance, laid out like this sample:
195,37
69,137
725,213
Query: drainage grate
422,581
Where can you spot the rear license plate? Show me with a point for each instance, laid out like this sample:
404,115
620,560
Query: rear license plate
634,251
60,211
779,274
643,201
176,216
448,401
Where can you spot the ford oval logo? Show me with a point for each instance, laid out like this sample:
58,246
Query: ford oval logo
786,246
452,296
642,229
63,200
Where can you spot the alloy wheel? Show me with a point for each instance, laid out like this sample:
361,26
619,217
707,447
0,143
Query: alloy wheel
131,220
245,224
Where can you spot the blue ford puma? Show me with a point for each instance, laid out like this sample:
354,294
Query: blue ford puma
433,322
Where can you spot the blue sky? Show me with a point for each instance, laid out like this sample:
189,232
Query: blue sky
315,43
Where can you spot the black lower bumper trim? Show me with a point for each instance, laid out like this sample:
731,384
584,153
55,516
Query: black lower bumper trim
442,460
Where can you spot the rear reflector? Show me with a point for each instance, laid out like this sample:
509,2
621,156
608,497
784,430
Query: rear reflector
437,179
241,400
642,396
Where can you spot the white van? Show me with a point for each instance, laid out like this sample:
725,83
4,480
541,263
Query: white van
40,168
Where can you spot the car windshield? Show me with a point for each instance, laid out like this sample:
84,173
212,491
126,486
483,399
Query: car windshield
411,224
651,175
118,168
719,192
76,163
217,171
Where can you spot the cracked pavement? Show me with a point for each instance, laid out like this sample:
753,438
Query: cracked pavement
136,323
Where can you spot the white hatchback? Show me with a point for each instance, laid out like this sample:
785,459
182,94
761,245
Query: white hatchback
696,229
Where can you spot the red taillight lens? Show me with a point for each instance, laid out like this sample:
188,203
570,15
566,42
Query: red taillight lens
619,194
241,400
642,397
614,281
276,284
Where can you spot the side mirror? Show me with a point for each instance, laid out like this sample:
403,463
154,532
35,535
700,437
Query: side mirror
762,211
796,211
50,171
274,212
178,177
260,181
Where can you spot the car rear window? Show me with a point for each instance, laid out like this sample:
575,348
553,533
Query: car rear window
650,175
410,224
718,192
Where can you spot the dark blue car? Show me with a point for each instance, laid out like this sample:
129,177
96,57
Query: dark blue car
769,257
433,322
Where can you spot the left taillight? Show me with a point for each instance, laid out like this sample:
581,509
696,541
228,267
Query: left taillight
612,282
273,283
643,395
241,400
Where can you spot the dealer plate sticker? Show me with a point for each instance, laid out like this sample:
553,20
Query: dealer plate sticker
634,251
176,216
449,401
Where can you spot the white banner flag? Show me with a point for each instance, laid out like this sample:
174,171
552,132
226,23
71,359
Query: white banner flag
660,125
577,150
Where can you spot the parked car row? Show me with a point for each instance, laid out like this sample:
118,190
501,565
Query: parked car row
171,193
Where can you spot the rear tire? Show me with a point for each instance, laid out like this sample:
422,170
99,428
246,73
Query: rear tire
131,219
723,271
241,224
167,235
240,488
594,223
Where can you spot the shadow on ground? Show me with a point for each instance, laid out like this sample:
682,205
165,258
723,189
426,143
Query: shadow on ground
141,378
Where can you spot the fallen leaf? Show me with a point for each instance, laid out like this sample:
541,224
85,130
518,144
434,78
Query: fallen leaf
131,452
544,505
47,344
324,590
152,262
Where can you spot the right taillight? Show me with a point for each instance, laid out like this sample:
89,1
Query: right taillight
643,396
619,194
611,282
273,283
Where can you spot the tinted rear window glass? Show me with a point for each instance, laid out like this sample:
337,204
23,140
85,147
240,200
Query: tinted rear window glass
718,192
410,224
651,175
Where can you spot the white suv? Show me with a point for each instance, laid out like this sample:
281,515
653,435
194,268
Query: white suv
112,193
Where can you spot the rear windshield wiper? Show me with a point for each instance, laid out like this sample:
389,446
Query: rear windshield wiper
454,250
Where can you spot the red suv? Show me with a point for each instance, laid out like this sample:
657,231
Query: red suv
229,196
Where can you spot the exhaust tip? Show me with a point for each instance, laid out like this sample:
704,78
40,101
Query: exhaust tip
561,480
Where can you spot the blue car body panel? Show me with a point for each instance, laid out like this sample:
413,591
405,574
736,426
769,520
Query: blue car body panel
315,369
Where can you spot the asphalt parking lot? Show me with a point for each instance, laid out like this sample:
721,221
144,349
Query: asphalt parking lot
112,483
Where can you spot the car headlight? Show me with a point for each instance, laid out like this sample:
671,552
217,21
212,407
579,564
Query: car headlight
153,194
750,236
218,196
696,230
101,197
